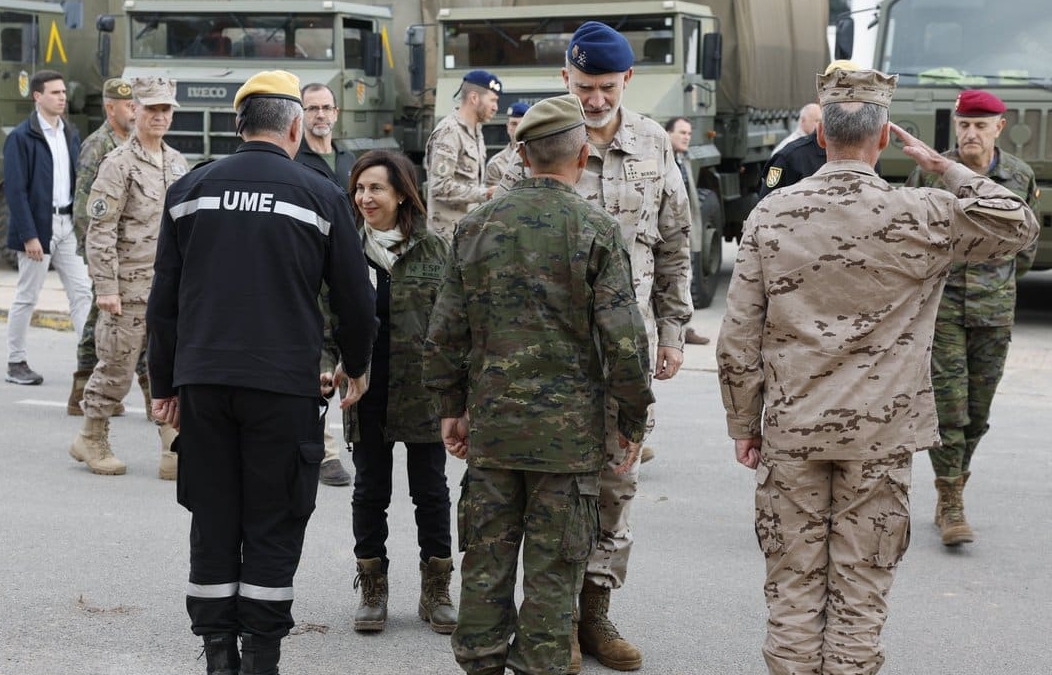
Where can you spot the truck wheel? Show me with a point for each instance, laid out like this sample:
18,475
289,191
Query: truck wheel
706,265
10,256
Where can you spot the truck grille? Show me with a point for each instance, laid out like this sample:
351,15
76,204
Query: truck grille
203,134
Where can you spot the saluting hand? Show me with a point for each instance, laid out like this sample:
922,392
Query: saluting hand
917,150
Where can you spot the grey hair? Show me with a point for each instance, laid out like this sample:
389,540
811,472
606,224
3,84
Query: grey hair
551,151
851,124
267,116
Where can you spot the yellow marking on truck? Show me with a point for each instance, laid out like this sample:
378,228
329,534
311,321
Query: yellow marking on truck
387,46
54,40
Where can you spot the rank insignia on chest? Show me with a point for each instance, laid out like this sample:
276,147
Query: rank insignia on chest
773,176
98,208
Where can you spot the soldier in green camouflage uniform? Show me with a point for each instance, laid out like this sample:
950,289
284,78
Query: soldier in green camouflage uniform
974,325
535,323
121,243
120,121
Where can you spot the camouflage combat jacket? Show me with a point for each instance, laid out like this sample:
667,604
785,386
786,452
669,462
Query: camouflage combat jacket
983,293
456,164
92,150
125,206
534,325
638,182
826,343
415,278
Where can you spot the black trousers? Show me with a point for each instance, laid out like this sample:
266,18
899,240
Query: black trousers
248,471
373,459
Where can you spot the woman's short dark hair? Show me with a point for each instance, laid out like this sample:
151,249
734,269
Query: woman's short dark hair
402,176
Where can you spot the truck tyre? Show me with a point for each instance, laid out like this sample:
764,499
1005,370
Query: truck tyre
10,256
706,256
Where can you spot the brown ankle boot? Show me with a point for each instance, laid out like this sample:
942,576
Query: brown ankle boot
598,635
949,510
372,608
435,606
92,446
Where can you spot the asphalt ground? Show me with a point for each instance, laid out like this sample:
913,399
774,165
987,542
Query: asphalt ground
94,568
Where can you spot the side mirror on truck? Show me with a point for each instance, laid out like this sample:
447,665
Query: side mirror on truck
712,56
374,54
414,38
844,44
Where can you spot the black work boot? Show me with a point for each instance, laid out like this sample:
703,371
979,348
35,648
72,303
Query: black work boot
221,654
259,656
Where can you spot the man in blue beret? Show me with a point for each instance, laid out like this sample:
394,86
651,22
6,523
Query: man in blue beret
631,173
499,162
976,312
455,158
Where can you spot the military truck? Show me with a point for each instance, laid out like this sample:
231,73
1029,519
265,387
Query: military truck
940,47
769,53
46,35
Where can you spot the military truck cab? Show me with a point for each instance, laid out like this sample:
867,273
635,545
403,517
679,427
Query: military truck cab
211,48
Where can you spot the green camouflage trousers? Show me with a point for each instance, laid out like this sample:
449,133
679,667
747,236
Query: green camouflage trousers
832,533
966,364
554,518
87,357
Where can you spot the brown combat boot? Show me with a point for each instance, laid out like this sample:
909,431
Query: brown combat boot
599,636
949,510
144,384
169,467
575,649
372,608
435,605
92,446
80,380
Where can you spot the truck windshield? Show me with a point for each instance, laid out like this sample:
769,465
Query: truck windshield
969,43
509,43
226,34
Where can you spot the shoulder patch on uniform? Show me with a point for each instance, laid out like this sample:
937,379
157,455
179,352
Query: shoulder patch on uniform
443,168
98,208
178,169
774,174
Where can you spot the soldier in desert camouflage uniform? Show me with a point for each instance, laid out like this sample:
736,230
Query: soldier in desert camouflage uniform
120,121
632,175
125,208
497,164
974,325
534,323
456,154
823,366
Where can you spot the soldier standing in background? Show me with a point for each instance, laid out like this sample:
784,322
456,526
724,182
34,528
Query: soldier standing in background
499,162
319,152
456,154
522,379
828,389
631,174
121,242
974,325
120,122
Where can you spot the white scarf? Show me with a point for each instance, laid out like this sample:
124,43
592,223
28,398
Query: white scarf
383,246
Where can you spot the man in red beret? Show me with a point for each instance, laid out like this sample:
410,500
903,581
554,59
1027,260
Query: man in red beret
974,324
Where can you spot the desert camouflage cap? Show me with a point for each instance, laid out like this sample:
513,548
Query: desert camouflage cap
117,89
154,90
862,86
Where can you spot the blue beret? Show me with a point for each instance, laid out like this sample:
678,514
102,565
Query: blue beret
518,109
480,78
596,48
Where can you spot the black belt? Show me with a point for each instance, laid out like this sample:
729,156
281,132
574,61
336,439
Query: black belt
62,210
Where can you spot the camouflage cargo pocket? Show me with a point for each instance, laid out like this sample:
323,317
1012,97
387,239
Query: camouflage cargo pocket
582,521
768,533
893,521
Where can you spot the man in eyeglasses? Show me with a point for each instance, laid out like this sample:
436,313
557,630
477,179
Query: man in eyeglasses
318,152
316,148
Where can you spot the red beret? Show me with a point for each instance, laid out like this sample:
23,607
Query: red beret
978,103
